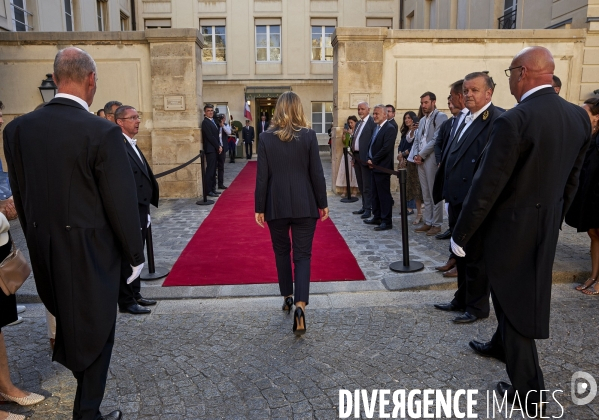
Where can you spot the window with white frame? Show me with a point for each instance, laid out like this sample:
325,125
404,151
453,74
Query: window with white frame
214,43
21,17
68,14
322,49
101,14
124,22
268,42
322,116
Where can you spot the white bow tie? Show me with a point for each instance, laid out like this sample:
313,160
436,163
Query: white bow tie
133,142
469,118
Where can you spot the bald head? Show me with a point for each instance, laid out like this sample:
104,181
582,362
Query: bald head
73,65
530,68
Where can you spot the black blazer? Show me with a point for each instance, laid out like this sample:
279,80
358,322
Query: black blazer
383,146
290,180
147,187
460,159
365,138
76,198
443,137
210,136
259,127
527,179
248,134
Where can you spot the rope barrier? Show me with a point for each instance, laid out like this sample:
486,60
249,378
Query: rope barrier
170,171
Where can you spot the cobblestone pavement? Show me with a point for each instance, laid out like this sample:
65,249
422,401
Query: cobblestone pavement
238,359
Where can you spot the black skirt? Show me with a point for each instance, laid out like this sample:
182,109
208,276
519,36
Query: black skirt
8,304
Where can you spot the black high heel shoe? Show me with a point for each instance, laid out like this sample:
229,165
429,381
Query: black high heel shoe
297,316
287,304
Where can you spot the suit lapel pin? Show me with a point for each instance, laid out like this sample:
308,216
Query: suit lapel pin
485,115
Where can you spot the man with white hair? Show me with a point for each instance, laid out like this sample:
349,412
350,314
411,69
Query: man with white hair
76,198
359,147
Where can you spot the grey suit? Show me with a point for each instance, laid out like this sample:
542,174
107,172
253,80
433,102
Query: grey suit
425,148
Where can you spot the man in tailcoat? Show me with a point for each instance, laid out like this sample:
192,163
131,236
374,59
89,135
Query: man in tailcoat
130,298
380,153
248,138
359,147
527,179
75,195
212,149
452,182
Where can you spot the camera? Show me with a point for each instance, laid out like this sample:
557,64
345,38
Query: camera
218,118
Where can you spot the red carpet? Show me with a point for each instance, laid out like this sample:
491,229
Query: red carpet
230,248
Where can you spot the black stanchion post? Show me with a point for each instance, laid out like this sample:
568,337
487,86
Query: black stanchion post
404,266
150,272
348,198
205,201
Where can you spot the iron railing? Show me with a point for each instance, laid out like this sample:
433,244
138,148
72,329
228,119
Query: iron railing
508,21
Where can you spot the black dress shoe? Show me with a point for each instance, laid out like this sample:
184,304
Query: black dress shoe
222,187
444,235
216,192
465,318
384,226
135,309
145,302
487,350
450,307
372,221
532,408
505,388
361,211
367,214
211,194
115,415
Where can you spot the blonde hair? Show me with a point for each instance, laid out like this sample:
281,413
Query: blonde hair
289,117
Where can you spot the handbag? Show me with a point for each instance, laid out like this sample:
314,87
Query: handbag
14,270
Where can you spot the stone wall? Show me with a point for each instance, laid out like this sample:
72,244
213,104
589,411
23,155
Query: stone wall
396,67
147,70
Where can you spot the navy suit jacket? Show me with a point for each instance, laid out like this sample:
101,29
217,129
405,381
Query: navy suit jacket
248,134
383,146
365,137
210,136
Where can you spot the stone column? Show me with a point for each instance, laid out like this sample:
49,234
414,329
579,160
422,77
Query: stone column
176,69
357,76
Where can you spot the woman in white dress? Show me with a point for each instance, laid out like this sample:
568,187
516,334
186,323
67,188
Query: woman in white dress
348,132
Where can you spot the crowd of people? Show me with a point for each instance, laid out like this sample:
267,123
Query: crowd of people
506,179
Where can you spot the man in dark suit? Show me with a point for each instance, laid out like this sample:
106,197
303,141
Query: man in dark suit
380,153
452,182
212,149
248,138
77,206
359,147
130,298
526,181
262,125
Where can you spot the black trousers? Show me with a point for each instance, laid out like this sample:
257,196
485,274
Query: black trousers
210,171
473,284
91,384
364,178
522,359
382,201
302,234
220,164
128,293
248,150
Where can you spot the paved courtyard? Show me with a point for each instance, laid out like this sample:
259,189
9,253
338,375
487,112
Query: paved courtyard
228,351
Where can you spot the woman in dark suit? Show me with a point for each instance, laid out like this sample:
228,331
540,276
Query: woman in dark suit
291,195
584,212
8,314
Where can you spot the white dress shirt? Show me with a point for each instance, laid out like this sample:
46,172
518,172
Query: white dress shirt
470,119
533,90
133,143
73,98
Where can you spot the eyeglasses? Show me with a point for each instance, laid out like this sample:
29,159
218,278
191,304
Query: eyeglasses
135,118
508,72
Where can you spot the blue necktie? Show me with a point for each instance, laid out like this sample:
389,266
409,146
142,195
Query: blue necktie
376,131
